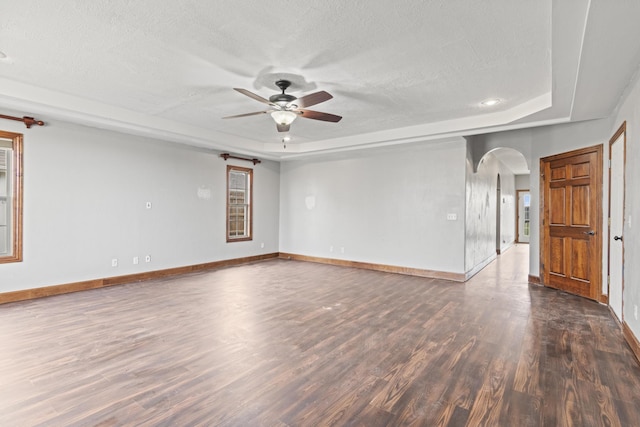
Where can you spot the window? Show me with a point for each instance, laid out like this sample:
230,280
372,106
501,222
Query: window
10,197
239,201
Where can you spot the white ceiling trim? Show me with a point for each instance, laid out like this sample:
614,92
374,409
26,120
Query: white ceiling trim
581,51
441,129
20,96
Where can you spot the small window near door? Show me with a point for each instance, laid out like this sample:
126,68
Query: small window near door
10,197
239,203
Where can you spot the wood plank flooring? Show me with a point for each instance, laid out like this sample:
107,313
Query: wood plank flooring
287,343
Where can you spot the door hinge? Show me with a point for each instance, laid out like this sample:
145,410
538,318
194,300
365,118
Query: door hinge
609,163
609,221
608,280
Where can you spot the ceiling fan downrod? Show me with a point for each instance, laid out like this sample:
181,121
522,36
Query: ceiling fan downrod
282,98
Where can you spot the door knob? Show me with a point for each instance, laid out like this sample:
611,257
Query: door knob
590,233
617,237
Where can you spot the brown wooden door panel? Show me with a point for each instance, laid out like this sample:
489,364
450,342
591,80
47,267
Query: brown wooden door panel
571,193
580,209
558,173
568,258
576,287
557,208
580,170
580,266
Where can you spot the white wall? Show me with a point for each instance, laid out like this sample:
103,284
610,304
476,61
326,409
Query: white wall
522,182
481,211
519,140
85,191
629,110
386,206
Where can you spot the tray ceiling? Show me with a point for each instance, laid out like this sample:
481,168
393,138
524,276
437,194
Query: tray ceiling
166,69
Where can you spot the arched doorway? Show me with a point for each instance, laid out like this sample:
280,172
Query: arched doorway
506,173
491,205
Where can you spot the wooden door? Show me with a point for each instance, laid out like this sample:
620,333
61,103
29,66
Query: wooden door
571,204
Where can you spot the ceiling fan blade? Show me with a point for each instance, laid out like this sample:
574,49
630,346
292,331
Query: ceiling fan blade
252,95
247,114
317,115
282,128
312,99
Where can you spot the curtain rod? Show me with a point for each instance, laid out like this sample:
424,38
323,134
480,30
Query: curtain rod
28,121
226,156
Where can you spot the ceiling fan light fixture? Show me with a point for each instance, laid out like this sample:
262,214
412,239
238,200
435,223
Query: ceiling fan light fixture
284,117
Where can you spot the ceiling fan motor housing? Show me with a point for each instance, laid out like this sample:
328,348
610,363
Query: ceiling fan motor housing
282,98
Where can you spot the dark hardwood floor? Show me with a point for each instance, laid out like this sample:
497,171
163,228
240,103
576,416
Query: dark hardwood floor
287,343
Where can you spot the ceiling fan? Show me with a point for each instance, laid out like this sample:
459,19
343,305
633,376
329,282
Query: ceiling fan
286,108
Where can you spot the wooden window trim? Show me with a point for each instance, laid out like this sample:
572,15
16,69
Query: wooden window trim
16,194
249,237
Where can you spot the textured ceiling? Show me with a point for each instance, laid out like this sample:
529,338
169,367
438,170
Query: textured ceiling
418,70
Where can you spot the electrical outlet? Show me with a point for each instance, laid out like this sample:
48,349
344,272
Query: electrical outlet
330,248
262,245
635,311
114,262
135,260
147,258
342,249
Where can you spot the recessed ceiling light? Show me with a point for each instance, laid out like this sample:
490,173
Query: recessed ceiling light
490,102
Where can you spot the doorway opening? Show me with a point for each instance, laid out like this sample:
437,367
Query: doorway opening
499,173
523,229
